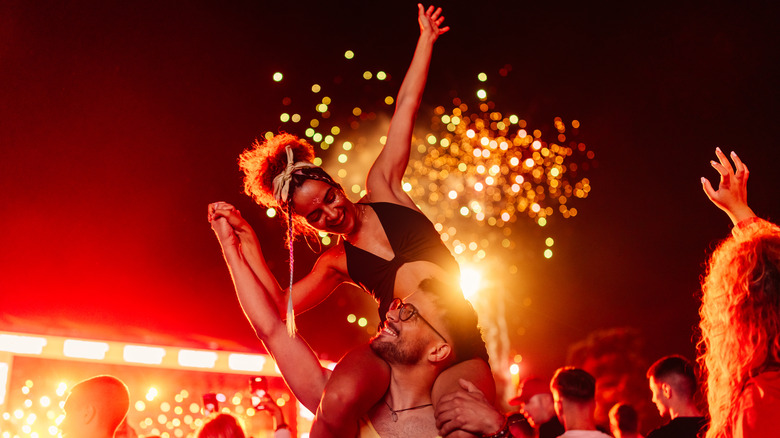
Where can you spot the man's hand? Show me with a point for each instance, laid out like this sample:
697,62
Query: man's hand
467,410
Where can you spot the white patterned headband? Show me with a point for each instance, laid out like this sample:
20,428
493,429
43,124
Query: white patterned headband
283,180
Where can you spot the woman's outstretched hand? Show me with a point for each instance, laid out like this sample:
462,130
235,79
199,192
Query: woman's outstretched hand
731,195
430,21
227,223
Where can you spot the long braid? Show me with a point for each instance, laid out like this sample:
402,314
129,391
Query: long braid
284,185
290,310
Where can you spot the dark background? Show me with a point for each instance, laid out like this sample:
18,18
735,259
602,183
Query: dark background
121,121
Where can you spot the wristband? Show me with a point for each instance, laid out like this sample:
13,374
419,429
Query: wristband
501,433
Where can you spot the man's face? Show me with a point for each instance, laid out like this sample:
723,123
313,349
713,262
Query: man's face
406,341
537,409
70,424
659,398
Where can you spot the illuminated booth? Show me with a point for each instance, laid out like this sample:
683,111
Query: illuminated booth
168,385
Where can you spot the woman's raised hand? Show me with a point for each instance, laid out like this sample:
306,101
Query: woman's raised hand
233,224
731,195
430,21
218,210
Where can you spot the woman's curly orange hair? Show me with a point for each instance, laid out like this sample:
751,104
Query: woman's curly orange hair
740,319
263,161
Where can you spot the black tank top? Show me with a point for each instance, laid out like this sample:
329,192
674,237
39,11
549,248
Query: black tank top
412,238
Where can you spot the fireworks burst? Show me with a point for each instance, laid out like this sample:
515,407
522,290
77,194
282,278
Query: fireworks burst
475,172
481,171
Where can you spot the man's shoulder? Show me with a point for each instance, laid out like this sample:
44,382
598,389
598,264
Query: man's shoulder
679,427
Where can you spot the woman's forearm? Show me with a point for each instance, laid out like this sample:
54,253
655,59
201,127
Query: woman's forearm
254,298
253,256
413,85
296,360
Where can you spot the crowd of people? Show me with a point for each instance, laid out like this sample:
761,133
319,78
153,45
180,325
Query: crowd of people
425,373
97,407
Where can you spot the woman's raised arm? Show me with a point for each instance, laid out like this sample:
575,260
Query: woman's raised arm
384,178
244,240
731,195
308,291
297,362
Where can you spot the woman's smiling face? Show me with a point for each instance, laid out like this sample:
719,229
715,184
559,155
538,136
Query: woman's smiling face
324,207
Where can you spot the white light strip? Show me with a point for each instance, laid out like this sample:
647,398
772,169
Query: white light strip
3,381
197,359
121,353
22,344
84,349
142,354
246,362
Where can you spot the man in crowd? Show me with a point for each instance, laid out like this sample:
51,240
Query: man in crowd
95,408
624,421
673,383
574,396
424,334
536,402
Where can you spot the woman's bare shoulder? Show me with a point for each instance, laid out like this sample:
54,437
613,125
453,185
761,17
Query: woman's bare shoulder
334,259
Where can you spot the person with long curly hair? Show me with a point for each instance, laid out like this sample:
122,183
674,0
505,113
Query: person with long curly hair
387,247
740,315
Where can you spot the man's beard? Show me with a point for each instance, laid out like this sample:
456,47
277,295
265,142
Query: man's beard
398,352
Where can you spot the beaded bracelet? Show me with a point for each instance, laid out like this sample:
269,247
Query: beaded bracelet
502,433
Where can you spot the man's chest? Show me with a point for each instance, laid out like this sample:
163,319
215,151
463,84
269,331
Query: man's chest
409,424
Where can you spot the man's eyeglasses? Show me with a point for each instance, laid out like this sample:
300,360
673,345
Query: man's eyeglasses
406,311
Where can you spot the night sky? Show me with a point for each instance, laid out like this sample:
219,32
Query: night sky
121,121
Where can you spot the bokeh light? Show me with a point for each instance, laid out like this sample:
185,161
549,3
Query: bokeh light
470,282
479,175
